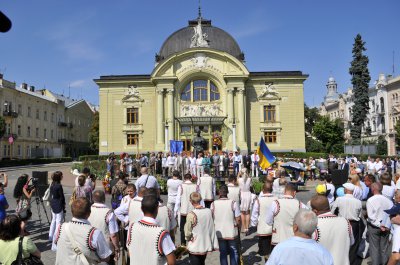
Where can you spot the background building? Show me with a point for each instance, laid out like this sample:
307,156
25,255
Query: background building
383,109
200,82
42,124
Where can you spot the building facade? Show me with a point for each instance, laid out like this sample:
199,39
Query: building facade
382,115
42,124
200,82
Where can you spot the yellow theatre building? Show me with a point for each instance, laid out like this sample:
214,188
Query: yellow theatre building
201,82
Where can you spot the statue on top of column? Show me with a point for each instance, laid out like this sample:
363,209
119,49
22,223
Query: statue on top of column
199,39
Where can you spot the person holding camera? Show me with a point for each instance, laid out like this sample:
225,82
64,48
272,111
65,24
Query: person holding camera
5,182
57,202
23,194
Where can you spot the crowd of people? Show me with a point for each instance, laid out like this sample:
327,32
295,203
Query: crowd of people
341,224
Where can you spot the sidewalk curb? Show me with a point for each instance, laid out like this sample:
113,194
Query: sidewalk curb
31,166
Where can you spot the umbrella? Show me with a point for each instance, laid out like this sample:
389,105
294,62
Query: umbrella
291,165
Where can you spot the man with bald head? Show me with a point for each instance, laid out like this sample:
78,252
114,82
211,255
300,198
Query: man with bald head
104,219
258,217
281,214
333,232
378,235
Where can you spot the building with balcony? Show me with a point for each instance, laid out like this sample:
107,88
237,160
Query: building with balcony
201,82
383,110
36,121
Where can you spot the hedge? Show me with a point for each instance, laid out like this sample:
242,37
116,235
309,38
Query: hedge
33,161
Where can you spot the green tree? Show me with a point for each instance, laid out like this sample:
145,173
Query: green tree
311,116
94,133
381,145
329,133
360,79
2,126
313,145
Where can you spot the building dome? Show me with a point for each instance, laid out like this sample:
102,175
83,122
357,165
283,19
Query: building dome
331,79
217,39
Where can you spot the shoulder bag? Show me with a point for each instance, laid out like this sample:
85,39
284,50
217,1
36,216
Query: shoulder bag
31,260
76,249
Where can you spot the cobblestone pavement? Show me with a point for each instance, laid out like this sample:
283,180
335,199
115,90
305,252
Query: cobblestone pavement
39,230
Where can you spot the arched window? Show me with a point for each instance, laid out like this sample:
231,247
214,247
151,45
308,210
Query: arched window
374,126
397,97
382,105
383,124
200,90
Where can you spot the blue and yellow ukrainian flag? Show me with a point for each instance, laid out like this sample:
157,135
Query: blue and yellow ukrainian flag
266,157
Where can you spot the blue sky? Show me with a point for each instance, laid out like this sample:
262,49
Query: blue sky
56,44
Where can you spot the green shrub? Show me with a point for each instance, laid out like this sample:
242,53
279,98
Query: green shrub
33,161
257,186
97,167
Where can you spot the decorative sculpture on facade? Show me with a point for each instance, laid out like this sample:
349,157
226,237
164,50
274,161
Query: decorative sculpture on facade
269,92
200,110
199,39
133,92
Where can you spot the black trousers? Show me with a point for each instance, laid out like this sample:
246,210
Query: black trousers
358,228
182,229
264,245
197,259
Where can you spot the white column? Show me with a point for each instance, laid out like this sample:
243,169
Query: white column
170,100
241,117
160,116
230,104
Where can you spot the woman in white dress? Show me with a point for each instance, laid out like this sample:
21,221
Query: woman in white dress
244,181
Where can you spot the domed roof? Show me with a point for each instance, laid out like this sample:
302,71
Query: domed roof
217,39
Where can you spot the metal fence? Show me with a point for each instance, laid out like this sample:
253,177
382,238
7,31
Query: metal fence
360,149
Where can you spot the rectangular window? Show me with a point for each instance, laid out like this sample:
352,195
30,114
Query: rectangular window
37,113
8,128
216,128
45,116
186,129
269,113
19,130
187,145
52,117
270,137
29,112
37,133
132,139
132,115
44,133
19,109
28,132
19,150
52,134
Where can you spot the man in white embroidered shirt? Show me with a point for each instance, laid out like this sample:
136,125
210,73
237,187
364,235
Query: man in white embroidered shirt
281,214
301,249
77,242
147,242
377,233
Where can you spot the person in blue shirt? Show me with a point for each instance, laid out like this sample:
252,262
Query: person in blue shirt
301,249
3,203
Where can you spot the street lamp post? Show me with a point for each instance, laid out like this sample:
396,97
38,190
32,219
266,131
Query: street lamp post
45,148
166,135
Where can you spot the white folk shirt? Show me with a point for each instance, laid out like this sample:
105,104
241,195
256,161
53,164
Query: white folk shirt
258,215
225,211
126,199
141,240
199,162
122,212
277,213
97,242
170,161
375,209
378,167
110,218
255,158
182,200
349,207
336,235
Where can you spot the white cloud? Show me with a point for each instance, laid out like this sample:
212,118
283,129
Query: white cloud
78,83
